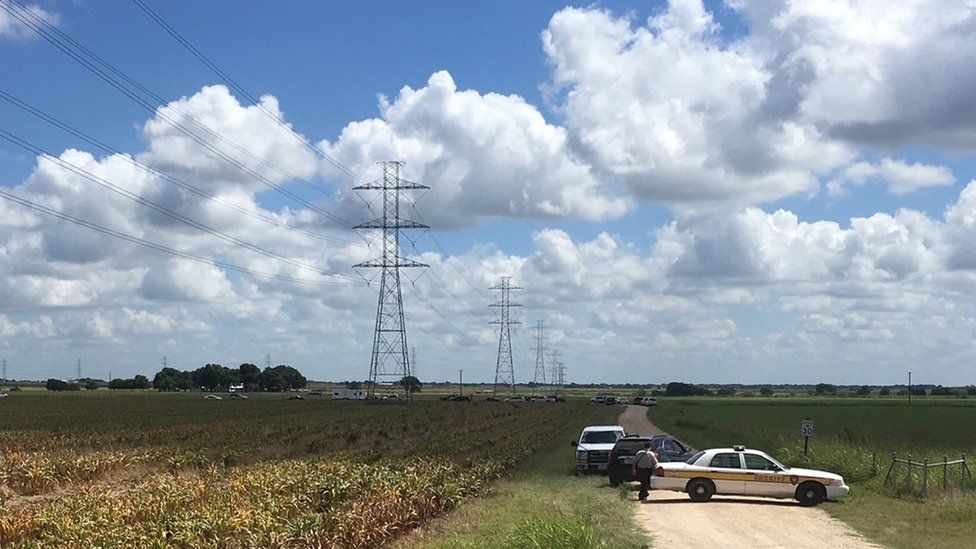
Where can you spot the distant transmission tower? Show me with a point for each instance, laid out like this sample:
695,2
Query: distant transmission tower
165,362
504,367
4,369
553,366
413,361
267,360
560,382
540,349
390,358
78,376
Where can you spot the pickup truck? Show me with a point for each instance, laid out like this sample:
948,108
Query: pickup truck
594,445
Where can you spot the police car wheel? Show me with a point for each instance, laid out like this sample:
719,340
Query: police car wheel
701,489
811,493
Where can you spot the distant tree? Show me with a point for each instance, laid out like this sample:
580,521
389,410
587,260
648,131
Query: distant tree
726,391
971,390
56,385
411,384
765,391
91,385
885,391
354,385
685,389
250,376
640,392
282,378
863,390
918,391
119,383
141,382
213,377
825,389
941,391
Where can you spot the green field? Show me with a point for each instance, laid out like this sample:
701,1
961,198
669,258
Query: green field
856,438
148,469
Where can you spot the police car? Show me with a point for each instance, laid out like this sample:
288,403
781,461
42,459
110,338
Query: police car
742,472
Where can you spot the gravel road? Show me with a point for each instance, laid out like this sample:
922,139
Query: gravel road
673,520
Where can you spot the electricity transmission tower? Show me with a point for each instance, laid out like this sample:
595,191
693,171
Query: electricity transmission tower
553,366
78,375
559,384
5,369
165,362
540,349
390,357
504,367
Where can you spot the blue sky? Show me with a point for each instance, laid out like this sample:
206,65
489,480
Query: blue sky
686,184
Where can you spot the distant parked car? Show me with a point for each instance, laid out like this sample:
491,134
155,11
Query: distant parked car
3,395
649,401
555,398
294,396
515,399
670,449
212,397
491,399
238,396
600,399
315,393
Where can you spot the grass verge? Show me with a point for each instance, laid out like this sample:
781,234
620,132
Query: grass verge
544,504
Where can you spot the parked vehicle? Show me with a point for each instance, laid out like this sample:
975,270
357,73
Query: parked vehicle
3,395
594,445
620,460
648,401
555,398
212,397
515,399
738,471
238,396
294,396
492,399
667,448
349,394
600,399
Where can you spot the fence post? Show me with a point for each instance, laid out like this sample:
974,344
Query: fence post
925,477
911,481
874,465
894,460
945,473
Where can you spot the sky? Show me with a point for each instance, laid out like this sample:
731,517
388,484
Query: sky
751,191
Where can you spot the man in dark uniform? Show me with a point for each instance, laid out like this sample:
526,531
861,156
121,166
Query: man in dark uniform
644,464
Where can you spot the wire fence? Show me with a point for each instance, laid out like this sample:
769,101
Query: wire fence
918,476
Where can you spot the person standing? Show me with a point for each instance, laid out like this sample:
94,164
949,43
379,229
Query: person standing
645,461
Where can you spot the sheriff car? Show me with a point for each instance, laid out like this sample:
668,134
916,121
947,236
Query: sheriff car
742,472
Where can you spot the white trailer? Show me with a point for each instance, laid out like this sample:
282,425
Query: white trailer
348,394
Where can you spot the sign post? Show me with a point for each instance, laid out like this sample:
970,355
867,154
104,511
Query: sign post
806,431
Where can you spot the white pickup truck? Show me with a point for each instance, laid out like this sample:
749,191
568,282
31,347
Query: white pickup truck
594,445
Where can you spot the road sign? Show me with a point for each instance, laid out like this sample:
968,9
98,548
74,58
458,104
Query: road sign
806,428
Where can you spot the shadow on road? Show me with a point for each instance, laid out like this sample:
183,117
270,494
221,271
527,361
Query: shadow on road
763,502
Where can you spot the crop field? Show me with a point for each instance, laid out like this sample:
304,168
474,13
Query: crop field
855,438
176,470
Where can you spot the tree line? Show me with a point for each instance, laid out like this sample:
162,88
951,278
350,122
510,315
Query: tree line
214,377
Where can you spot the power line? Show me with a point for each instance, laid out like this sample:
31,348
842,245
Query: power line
169,178
240,89
51,34
161,248
163,210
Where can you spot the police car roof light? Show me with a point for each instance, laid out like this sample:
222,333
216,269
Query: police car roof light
739,448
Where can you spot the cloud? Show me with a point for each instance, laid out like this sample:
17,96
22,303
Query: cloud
11,27
484,155
901,177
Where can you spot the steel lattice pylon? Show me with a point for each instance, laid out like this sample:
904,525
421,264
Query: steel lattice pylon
390,359
540,349
504,367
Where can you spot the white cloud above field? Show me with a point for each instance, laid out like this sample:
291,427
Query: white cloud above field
12,27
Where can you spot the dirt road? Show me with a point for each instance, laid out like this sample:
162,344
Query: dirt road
672,519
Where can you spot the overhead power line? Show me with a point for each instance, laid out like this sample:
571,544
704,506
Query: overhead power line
240,89
90,61
167,177
160,247
163,210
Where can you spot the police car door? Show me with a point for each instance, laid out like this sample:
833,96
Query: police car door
763,478
727,473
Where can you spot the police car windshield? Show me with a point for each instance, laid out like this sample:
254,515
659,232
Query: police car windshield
600,437
694,458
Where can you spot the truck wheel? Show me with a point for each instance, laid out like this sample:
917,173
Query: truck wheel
700,489
614,482
811,493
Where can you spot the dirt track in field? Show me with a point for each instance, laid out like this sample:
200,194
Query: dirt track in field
673,520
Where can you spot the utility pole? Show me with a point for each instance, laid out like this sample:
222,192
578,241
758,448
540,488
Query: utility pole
460,382
390,358
504,366
553,366
165,362
267,360
909,388
540,349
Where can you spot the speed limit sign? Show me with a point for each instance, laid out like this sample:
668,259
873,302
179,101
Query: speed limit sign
806,428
